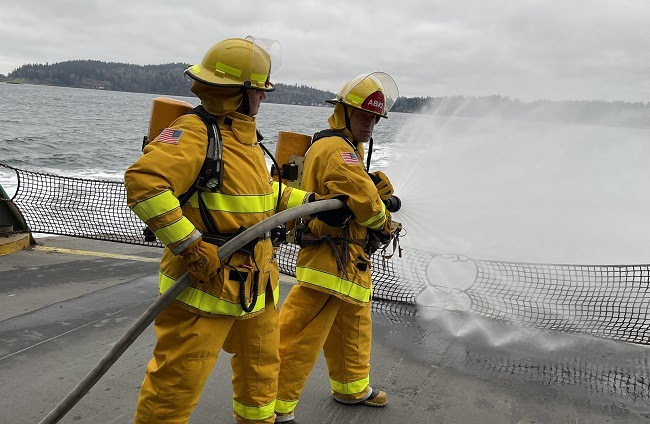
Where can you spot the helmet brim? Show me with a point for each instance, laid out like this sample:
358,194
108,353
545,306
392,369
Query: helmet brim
223,82
337,101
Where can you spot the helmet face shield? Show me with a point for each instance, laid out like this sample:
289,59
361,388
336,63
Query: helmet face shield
375,93
266,59
238,62
272,48
391,92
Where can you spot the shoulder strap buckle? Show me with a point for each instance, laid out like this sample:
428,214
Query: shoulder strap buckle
211,174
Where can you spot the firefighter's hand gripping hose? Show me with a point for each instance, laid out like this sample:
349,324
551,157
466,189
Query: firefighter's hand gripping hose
165,299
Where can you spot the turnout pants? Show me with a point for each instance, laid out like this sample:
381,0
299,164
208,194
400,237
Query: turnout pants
311,320
187,350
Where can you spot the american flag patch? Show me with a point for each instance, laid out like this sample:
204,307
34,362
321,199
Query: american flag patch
350,158
170,136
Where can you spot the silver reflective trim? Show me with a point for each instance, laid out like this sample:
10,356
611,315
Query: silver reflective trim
284,418
352,401
184,245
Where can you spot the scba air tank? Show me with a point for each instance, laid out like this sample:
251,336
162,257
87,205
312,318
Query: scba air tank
290,153
164,111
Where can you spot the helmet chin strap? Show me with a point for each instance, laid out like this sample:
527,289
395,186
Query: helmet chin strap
347,118
349,127
369,155
245,103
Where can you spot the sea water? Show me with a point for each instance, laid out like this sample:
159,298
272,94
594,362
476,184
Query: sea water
488,188
96,133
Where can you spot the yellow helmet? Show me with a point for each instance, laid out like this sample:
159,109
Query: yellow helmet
238,62
375,93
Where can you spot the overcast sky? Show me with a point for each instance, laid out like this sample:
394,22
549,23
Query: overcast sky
529,49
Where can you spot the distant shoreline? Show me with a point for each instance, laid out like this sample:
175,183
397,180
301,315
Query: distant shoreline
169,80
326,105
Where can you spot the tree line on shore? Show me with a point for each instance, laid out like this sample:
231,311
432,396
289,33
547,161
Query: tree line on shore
168,79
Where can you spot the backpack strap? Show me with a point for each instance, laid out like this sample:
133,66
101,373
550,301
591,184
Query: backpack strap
211,174
337,133
331,133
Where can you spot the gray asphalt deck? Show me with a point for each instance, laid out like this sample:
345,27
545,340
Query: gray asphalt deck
60,311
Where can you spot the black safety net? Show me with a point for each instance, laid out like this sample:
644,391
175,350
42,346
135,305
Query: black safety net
77,207
604,300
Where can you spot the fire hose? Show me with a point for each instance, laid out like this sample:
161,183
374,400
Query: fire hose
166,298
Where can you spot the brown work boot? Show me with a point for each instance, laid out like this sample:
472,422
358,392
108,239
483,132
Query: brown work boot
378,398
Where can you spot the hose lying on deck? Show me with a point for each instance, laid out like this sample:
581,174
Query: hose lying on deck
166,298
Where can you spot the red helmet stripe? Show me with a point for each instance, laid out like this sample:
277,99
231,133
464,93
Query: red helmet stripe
375,103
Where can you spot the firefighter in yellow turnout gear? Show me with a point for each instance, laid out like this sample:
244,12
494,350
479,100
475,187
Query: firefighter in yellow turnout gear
210,314
330,307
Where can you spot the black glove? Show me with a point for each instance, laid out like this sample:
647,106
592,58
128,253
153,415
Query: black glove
377,239
333,217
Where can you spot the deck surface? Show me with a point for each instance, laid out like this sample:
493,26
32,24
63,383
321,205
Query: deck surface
64,303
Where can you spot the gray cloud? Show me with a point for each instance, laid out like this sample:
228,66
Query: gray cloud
583,49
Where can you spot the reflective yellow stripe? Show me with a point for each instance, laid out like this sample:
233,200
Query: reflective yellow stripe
175,231
296,197
275,189
258,77
354,99
378,225
235,203
228,69
380,217
350,388
155,206
285,406
209,303
334,283
253,413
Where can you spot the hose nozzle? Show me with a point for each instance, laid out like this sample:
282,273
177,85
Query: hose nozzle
393,204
